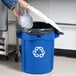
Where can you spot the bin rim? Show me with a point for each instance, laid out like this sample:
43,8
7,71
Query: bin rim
39,29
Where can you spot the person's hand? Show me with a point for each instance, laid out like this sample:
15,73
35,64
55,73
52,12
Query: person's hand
16,12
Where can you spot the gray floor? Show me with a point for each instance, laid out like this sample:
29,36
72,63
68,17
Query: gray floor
63,67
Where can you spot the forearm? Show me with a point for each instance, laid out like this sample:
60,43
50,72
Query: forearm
23,4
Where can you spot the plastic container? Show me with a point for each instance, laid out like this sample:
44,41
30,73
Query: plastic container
38,48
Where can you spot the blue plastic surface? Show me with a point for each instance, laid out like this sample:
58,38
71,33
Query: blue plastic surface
37,52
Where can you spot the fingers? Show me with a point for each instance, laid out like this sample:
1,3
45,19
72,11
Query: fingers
17,13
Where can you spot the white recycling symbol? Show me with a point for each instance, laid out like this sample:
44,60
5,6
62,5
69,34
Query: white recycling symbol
37,54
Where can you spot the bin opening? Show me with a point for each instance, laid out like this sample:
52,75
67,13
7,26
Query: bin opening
41,25
47,26
40,28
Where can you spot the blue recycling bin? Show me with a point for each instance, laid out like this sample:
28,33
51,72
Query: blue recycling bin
37,52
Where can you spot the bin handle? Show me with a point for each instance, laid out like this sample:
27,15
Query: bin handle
61,33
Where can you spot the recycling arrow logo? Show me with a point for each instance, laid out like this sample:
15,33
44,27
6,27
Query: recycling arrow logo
38,52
